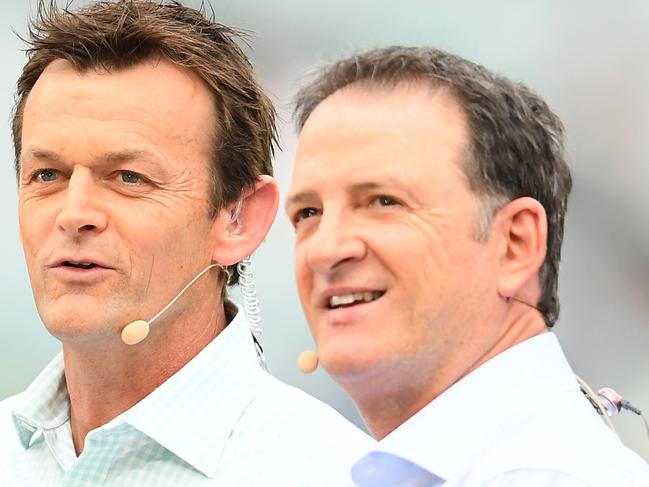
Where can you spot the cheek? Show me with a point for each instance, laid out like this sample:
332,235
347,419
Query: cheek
34,226
446,253
302,271
165,247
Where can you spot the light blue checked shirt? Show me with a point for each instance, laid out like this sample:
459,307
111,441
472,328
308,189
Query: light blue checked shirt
220,420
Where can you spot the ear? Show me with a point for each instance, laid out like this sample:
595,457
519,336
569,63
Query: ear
522,228
241,230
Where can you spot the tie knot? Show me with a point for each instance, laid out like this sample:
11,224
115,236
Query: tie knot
381,469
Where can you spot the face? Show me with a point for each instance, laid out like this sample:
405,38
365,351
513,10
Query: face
114,196
389,273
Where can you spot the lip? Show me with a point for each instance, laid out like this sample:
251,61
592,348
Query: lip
60,263
79,276
75,276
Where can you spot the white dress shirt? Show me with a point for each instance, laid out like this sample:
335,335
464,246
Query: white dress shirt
520,419
220,420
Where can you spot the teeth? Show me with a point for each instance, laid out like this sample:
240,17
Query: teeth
343,299
340,300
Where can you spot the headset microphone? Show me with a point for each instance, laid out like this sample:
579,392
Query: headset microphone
307,361
136,331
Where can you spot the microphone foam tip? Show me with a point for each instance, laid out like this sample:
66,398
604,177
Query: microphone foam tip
307,361
135,332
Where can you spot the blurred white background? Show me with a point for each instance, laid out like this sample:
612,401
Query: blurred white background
588,58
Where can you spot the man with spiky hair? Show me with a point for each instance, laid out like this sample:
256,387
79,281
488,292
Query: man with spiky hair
427,257
143,156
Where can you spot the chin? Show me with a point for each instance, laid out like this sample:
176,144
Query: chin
75,325
348,363
78,331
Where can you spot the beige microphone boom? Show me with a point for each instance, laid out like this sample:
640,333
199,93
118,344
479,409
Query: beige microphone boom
136,331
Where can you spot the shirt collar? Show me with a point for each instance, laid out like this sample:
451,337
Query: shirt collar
482,406
45,404
192,414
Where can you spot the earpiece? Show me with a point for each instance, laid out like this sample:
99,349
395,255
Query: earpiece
235,217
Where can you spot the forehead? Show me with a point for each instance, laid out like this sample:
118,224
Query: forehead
154,102
410,132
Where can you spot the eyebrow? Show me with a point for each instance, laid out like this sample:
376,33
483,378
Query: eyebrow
387,183
307,196
300,198
43,154
126,155
368,186
117,156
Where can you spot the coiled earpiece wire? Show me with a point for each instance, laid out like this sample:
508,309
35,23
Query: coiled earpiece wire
251,306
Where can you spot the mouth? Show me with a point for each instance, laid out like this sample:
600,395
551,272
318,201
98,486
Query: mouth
80,270
351,299
79,265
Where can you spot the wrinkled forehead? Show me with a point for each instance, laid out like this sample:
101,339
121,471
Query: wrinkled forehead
155,102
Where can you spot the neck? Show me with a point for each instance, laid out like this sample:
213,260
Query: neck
389,399
106,379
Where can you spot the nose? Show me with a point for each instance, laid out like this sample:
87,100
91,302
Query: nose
81,211
334,243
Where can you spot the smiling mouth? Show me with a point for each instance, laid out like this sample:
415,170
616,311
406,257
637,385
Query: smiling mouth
351,299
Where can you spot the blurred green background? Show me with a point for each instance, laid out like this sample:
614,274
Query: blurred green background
589,59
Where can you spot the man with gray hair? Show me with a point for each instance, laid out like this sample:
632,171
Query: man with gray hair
428,199
143,153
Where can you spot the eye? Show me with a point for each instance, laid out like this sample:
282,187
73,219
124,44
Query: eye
303,214
130,177
46,175
383,200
